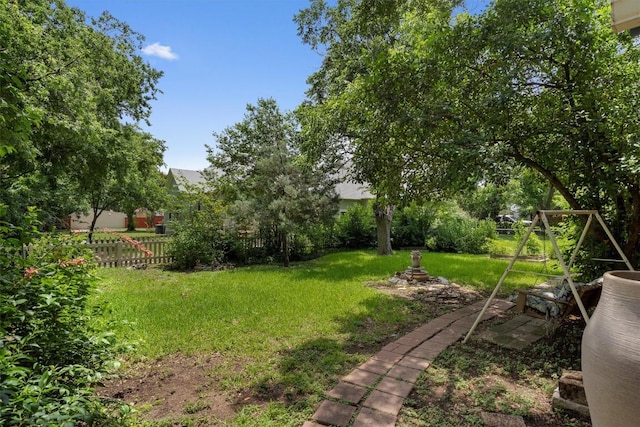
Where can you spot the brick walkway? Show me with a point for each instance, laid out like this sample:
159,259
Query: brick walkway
373,393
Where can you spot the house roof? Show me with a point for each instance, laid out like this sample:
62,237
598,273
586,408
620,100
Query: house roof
185,178
346,189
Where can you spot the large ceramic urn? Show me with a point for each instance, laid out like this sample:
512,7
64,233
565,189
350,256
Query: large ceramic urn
611,353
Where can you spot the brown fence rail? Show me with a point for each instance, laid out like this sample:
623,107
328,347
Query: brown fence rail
116,253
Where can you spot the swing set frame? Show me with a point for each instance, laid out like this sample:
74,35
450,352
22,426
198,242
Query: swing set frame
543,215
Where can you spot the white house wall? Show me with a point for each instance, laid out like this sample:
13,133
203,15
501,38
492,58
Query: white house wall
108,219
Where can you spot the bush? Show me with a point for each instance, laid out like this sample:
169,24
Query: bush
52,351
455,231
189,248
356,228
533,246
411,225
198,237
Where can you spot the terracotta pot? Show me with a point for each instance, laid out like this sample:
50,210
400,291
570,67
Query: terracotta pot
611,353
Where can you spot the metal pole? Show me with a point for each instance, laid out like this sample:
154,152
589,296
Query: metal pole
504,275
567,275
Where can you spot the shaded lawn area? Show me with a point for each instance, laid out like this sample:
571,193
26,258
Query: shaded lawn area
286,335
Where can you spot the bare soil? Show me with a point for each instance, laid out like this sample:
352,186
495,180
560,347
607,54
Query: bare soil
175,386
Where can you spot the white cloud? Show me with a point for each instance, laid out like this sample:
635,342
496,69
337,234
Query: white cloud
161,51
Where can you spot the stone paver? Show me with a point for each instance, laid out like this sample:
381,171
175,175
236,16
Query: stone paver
387,356
363,378
428,352
385,402
376,366
378,387
492,419
334,413
402,349
414,362
395,387
519,332
368,418
405,374
349,392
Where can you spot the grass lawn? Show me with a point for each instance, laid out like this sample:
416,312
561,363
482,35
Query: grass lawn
140,232
282,336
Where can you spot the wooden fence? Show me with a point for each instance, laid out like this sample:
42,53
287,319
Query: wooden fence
117,253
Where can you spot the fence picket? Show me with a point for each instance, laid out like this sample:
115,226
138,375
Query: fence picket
115,253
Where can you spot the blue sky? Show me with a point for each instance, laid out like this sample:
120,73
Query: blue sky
217,56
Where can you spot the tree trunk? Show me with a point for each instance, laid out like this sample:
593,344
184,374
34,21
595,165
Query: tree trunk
384,216
546,204
92,227
285,248
131,221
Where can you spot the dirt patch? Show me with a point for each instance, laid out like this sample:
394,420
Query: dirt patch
434,290
174,386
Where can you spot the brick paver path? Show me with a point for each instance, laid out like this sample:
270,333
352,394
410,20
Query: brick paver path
373,393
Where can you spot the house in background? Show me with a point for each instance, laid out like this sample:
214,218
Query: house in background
108,219
178,180
349,193
113,220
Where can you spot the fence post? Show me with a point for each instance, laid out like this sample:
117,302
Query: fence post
118,254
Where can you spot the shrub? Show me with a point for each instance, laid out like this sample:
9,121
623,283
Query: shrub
52,351
533,246
198,237
356,228
189,248
411,225
455,231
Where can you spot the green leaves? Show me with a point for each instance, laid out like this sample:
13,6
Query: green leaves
275,190
426,103
51,353
65,86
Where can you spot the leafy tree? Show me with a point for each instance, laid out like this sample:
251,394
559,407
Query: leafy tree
539,84
357,106
261,169
123,174
549,86
66,86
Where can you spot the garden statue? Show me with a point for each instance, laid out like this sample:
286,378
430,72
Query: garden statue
416,272
415,260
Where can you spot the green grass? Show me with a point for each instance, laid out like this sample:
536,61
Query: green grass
295,331
140,232
232,311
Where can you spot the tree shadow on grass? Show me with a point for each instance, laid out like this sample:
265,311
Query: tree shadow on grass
467,379
304,373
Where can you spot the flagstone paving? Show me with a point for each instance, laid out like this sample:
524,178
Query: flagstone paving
373,393
519,332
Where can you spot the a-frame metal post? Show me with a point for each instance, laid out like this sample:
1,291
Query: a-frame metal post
566,269
504,276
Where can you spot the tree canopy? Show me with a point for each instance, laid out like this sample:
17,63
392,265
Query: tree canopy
433,102
259,164
67,85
